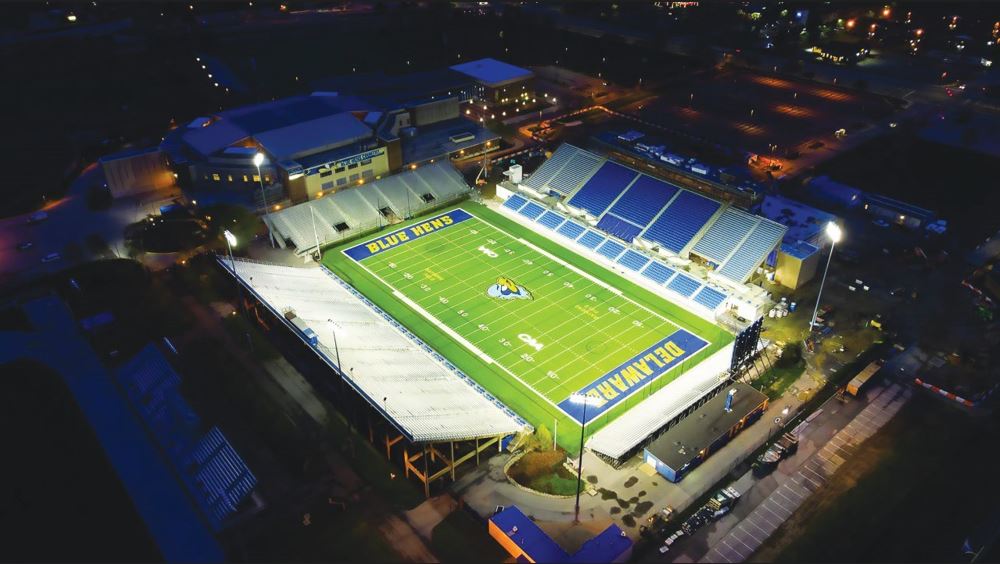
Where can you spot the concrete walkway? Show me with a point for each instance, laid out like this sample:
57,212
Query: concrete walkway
746,537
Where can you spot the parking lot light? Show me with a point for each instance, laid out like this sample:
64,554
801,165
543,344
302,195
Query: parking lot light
835,234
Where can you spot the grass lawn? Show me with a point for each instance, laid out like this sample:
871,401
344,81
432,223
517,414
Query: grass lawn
911,493
580,323
775,381
460,537
544,471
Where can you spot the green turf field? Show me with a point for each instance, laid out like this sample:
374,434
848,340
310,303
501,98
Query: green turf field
529,320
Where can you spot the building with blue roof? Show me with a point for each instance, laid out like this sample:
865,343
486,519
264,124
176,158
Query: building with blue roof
520,536
797,259
498,83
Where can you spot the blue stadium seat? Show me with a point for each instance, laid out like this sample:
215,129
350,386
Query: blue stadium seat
658,272
607,183
531,211
578,169
724,235
762,240
514,202
591,239
633,260
571,229
550,167
710,297
684,285
610,249
682,219
618,227
643,200
551,220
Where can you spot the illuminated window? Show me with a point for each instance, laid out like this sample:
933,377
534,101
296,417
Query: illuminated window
246,178
216,177
267,179
229,177
256,178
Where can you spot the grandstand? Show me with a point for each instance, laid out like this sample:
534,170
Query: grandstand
653,214
353,211
420,393
209,466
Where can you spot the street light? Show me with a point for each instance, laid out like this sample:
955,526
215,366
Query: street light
834,232
336,348
258,159
584,400
230,243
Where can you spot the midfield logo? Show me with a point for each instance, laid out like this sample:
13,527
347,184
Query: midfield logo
507,289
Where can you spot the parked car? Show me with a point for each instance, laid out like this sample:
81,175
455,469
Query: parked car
38,217
881,223
51,257
25,245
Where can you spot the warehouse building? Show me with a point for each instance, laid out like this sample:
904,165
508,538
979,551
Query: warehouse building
707,429
498,83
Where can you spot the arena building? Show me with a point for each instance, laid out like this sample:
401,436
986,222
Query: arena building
349,133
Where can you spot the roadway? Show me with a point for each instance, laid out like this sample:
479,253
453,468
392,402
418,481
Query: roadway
70,223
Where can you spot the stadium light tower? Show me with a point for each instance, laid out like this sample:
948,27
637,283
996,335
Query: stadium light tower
230,243
258,159
584,400
834,232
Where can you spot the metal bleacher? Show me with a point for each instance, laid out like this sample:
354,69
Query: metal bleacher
531,211
603,187
610,249
684,285
658,272
571,229
591,239
576,171
643,199
761,241
550,167
633,260
210,467
618,227
515,202
709,297
681,220
551,220
725,235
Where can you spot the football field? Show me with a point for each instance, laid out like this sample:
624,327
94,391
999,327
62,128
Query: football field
532,318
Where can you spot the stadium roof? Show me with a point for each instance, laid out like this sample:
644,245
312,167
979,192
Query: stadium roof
434,141
492,72
699,431
629,430
419,392
312,136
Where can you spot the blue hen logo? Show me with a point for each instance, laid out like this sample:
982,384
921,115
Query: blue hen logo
507,289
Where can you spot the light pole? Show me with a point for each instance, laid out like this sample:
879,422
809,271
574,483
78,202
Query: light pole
312,214
834,233
230,243
336,348
585,400
258,159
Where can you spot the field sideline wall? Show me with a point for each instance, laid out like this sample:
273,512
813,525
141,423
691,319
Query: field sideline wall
522,400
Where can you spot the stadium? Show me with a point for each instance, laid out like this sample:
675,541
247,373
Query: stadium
589,298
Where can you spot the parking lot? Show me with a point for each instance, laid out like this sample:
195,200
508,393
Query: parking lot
748,535
761,113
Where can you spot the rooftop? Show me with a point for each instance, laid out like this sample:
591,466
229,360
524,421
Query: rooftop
698,431
400,90
492,72
804,222
433,141
312,136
